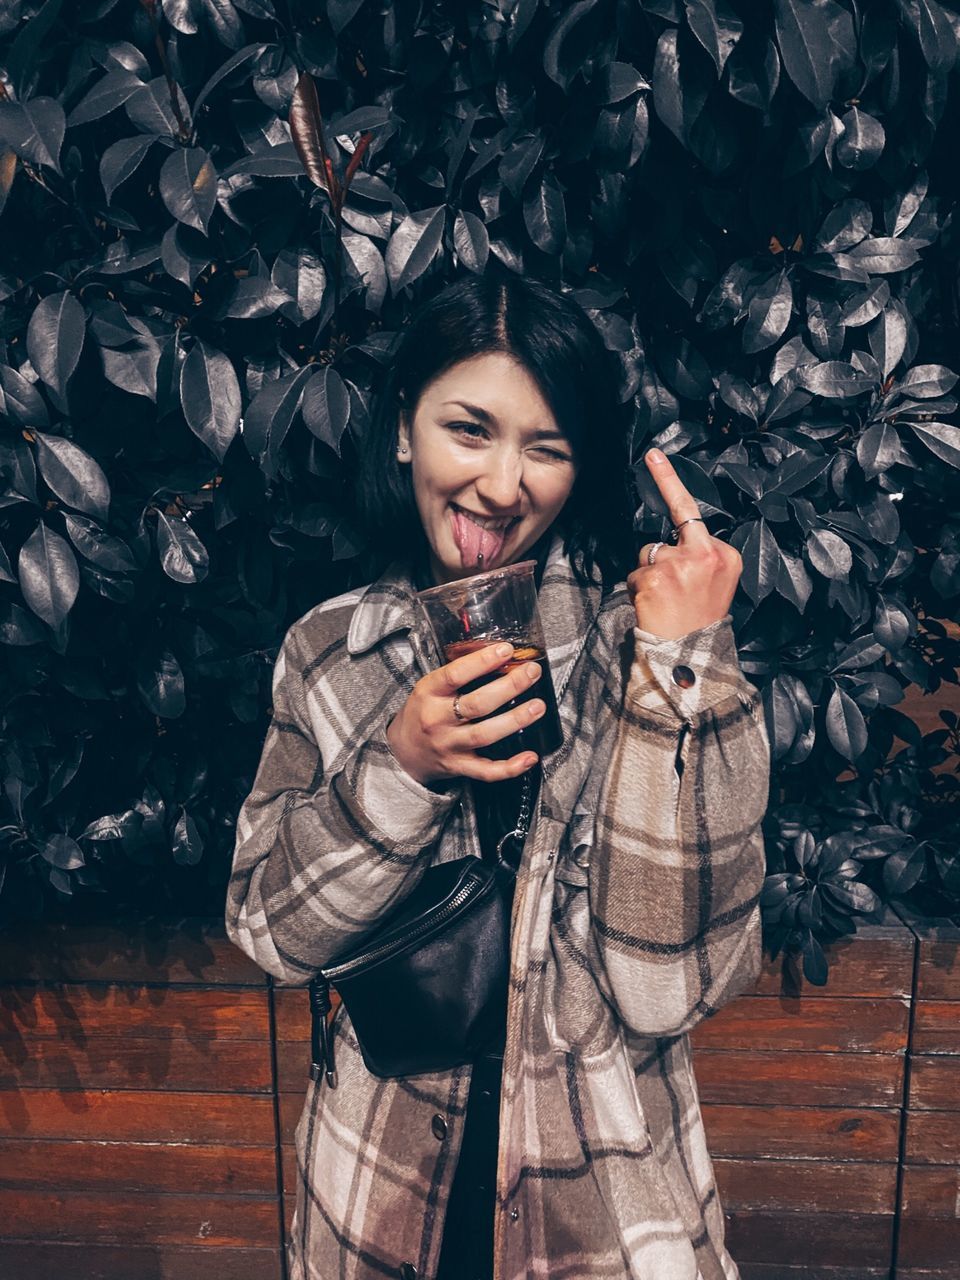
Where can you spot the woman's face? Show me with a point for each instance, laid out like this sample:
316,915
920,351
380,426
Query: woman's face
491,468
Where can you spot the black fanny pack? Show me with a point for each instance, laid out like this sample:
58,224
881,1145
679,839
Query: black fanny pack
427,990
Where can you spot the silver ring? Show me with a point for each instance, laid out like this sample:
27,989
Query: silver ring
677,527
652,553
456,708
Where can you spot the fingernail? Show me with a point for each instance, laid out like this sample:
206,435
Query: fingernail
656,456
504,650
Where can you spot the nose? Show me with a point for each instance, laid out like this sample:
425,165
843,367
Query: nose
500,480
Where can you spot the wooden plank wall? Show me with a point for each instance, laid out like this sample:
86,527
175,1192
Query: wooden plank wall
929,1244
146,1123
137,1120
802,1103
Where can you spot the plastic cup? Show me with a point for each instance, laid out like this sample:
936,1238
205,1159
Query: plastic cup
486,609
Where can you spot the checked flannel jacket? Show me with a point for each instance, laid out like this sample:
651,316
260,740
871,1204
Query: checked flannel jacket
635,916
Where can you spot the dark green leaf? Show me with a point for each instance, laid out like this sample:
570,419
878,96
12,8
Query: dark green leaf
365,260
97,545
34,130
935,33
564,49
616,81
683,367
187,841
73,475
815,968
892,624
183,556
679,96
105,96
121,160
884,254
816,41
738,395
846,727
17,627
940,438
326,406
113,826
254,297
270,415
413,246
861,143
161,686
151,108
716,26
866,305
902,869
185,253
135,368
834,379
49,577
878,449
210,395
300,275
769,313
844,226
888,337
188,185
544,214
793,582
761,561
828,553
471,242
902,208
825,326
238,59
60,851
20,400
926,381
55,338
780,712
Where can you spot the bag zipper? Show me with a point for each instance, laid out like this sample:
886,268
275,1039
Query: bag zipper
474,888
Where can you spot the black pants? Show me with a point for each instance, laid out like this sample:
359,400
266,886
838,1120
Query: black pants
467,1249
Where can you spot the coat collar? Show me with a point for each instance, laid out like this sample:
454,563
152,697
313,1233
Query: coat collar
567,610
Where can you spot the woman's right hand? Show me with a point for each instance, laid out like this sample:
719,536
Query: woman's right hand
432,744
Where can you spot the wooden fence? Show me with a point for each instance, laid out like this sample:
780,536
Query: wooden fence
151,1079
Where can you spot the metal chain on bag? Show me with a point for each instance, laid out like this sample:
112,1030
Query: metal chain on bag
519,833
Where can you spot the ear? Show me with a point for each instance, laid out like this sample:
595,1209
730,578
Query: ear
403,437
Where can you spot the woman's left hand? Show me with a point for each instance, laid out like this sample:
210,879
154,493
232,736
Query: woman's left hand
692,584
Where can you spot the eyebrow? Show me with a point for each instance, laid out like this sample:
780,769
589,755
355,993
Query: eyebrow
485,416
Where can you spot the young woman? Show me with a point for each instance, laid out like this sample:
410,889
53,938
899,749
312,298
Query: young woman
575,1147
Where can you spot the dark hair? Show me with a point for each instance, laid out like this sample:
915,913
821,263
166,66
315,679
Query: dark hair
558,345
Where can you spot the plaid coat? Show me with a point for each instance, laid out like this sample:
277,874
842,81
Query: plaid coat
635,915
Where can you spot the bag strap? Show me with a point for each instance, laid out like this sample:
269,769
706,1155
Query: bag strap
321,1041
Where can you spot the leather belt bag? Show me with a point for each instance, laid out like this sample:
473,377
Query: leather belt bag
427,990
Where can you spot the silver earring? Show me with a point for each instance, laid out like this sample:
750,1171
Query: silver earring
401,449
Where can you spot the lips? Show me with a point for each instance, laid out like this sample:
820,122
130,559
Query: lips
478,546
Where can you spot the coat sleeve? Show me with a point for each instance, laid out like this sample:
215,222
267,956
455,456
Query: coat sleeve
324,848
676,875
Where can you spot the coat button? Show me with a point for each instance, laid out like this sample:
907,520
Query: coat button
684,677
408,1271
439,1127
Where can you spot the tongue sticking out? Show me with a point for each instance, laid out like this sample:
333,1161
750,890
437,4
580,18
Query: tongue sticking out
478,547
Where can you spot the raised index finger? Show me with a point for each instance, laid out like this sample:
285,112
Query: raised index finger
468,661
681,503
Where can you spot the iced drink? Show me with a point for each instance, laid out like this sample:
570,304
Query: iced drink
543,735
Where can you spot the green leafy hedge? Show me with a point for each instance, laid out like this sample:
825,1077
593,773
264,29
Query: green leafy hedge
215,214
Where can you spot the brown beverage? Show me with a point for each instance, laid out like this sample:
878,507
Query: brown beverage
543,735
